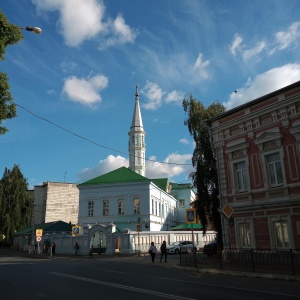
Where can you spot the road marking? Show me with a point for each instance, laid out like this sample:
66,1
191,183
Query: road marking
208,284
125,287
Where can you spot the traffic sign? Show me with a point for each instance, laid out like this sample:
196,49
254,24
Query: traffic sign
38,238
39,232
191,216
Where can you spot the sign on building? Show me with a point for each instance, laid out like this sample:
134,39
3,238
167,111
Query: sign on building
76,230
190,215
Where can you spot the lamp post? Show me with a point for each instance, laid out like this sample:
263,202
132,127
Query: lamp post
35,30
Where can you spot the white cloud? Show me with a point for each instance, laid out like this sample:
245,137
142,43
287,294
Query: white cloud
85,90
83,20
247,54
79,20
286,38
236,44
175,97
153,169
154,95
237,47
200,67
104,166
121,33
265,83
184,141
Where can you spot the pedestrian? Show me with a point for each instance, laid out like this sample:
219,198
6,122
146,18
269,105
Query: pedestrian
53,246
91,252
163,250
76,248
152,251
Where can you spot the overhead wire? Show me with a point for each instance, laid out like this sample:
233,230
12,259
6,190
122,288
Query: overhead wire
90,141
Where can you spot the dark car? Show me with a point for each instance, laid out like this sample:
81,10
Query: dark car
210,249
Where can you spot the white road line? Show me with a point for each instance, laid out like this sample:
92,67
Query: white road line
125,287
208,284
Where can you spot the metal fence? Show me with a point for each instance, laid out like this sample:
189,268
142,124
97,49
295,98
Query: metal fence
286,262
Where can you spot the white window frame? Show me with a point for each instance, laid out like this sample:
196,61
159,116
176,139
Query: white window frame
181,202
285,232
245,225
241,176
105,203
90,211
121,206
136,206
273,165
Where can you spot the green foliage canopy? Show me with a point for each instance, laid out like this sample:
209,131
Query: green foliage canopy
15,203
9,35
205,178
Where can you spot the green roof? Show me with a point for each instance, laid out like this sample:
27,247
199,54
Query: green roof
181,186
56,226
120,175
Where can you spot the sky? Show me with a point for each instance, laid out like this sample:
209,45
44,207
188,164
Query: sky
74,84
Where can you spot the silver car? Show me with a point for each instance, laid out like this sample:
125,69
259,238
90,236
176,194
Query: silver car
181,246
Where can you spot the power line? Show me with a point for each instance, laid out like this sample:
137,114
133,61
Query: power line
90,141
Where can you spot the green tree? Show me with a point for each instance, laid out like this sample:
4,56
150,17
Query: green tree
205,177
15,203
9,35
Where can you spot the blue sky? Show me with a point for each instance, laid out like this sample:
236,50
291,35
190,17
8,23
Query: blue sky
75,82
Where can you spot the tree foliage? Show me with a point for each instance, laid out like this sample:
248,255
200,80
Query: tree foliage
15,203
9,35
205,178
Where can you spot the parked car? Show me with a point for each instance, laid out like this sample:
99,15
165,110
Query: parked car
181,246
210,248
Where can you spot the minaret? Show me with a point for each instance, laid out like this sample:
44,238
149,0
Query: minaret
136,145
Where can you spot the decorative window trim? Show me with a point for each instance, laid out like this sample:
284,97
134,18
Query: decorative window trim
283,219
239,223
268,136
234,179
265,169
237,145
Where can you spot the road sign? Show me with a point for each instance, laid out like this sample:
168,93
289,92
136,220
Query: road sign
190,215
227,210
138,227
38,238
39,232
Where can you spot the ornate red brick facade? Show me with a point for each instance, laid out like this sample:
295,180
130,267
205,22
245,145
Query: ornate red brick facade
257,148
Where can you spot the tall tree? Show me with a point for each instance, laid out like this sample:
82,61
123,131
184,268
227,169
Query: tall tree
205,178
9,35
15,203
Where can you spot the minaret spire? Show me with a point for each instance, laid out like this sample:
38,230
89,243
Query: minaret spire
137,149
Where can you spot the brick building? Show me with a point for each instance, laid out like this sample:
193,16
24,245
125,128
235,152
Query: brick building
257,147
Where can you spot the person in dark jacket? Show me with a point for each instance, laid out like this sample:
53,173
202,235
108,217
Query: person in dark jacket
163,250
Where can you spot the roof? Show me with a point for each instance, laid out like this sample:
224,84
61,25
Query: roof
119,175
255,101
181,186
57,226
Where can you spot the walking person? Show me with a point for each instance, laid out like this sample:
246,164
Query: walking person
91,252
152,251
53,246
76,248
163,250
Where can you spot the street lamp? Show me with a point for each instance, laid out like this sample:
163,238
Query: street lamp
36,30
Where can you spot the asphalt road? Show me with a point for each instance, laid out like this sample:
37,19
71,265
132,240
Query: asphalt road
127,278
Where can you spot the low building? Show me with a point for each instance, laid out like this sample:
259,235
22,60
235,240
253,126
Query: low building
257,147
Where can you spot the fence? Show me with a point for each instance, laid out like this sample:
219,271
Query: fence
252,260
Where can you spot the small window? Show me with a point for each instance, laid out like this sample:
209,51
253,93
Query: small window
281,235
90,208
121,209
274,169
136,206
181,202
105,207
245,235
241,176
